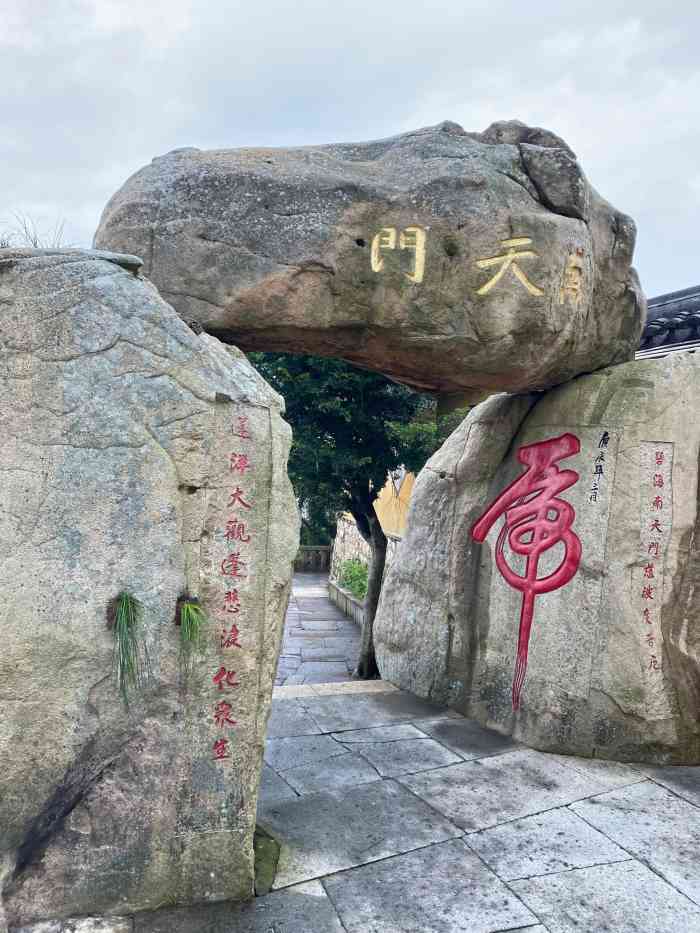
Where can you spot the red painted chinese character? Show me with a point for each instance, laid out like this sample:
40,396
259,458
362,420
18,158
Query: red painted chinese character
647,616
221,714
240,463
658,481
221,749
242,430
235,531
648,592
653,548
230,639
650,640
658,503
527,505
656,526
237,499
224,678
232,565
232,601
649,571
660,458
654,664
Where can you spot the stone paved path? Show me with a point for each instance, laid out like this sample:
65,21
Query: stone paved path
320,644
396,816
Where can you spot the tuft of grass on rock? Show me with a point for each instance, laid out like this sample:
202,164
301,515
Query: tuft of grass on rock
191,619
130,661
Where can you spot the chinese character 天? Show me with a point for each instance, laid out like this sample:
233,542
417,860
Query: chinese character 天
506,261
237,499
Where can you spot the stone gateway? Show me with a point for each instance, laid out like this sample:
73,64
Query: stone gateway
138,458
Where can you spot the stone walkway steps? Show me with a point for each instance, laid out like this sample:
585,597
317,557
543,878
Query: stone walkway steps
320,645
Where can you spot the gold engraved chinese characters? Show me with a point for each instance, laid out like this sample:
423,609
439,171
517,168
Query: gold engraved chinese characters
410,238
507,261
572,282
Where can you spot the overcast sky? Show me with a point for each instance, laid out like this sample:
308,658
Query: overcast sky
93,90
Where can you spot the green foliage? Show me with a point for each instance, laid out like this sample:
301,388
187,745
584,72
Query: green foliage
353,577
191,619
422,436
130,661
345,442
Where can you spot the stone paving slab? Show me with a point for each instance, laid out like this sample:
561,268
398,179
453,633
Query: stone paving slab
609,773
657,827
440,889
273,787
328,832
288,717
335,714
292,751
468,739
318,677
623,898
331,774
681,780
406,756
554,841
379,734
483,793
301,909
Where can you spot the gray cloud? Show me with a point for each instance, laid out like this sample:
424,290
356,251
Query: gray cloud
92,91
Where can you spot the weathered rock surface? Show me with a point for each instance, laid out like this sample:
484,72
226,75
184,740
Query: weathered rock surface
454,262
614,653
126,436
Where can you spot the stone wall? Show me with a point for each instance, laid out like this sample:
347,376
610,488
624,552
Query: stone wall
350,545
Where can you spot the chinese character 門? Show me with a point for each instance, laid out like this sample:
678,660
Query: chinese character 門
653,547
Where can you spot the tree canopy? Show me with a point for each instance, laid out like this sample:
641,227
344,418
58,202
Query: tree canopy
347,434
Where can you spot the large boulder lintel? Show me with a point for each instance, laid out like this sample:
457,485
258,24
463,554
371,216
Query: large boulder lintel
454,262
